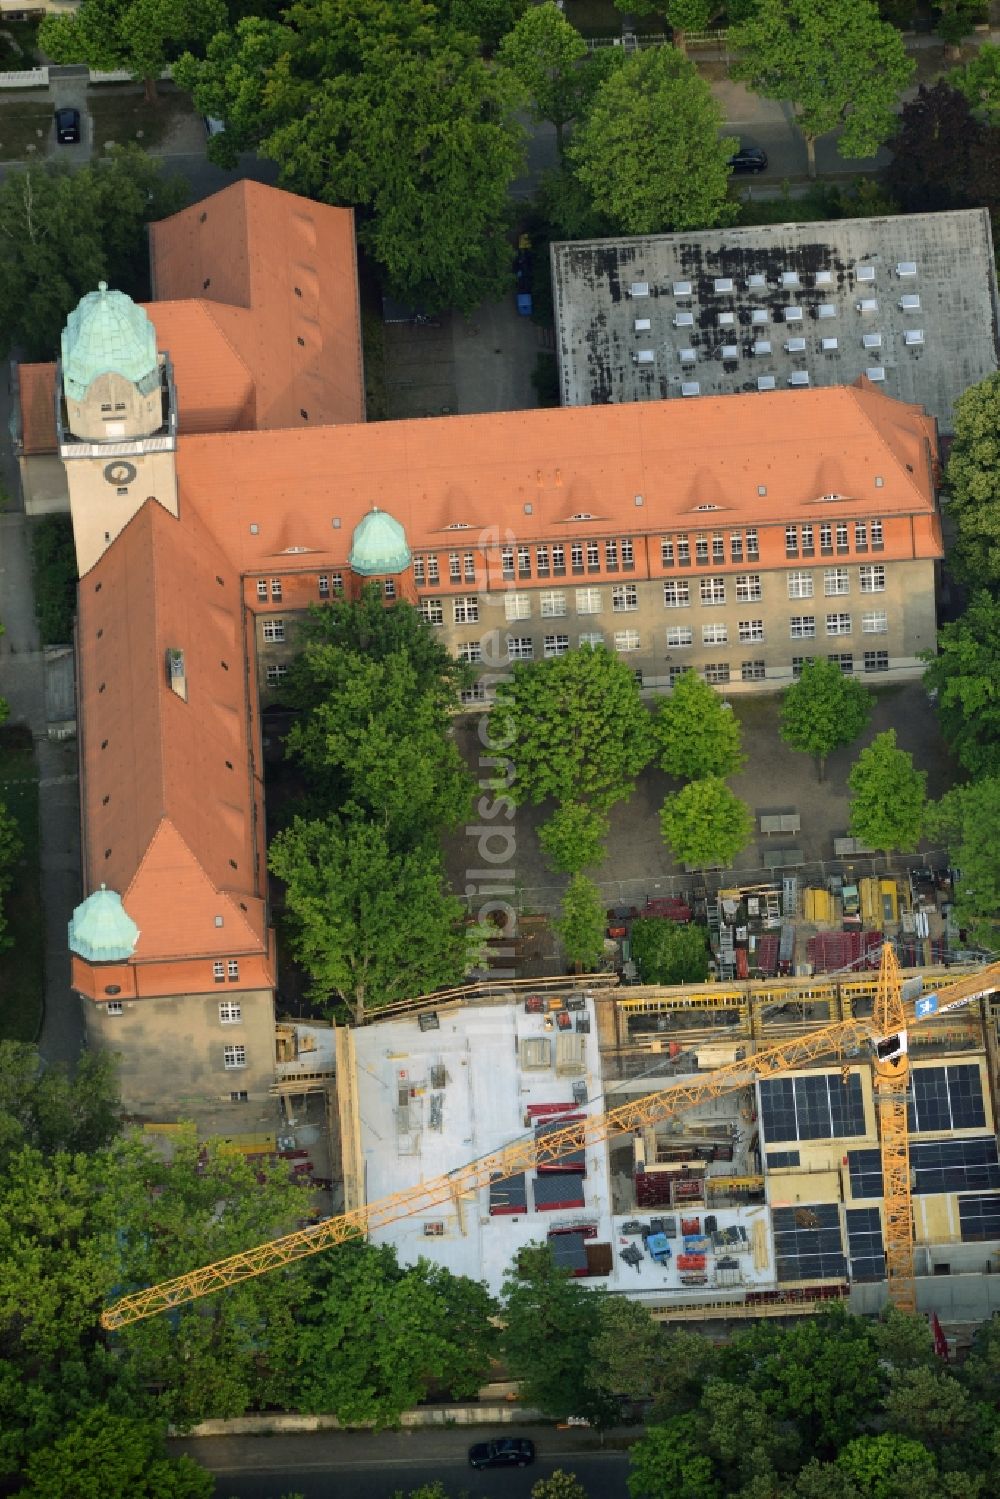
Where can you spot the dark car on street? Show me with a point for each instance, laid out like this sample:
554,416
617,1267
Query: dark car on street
68,127
748,159
508,1452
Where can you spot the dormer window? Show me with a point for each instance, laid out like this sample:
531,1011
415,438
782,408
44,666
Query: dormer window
582,515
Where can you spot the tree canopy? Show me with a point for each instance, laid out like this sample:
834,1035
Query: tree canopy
386,107
573,837
669,953
648,151
936,152
66,231
837,60
979,81
580,926
105,1454
140,36
11,848
705,823
967,819
575,728
973,482
550,62
49,1110
696,733
548,1323
965,675
888,797
368,924
823,710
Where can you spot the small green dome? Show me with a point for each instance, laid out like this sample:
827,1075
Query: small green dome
378,545
108,333
101,930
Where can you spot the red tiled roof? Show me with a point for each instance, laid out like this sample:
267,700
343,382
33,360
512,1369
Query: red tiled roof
37,384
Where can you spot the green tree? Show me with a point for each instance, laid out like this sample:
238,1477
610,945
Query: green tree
490,20
580,928
670,1459
957,18
967,819
11,848
575,728
904,1341
889,797
140,36
378,750
368,924
649,151
973,481
105,1455
981,1371
690,15
935,152
742,1436
706,823
573,838
632,1356
823,710
979,81
386,107
548,1322
54,576
66,231
559,1485
931,1406
886,1466
696,733
48,1109
668,953
548,58
376,1335
836,60
965,676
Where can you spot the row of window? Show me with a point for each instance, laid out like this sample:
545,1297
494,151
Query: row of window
328,585
800,540
837,580
226,969
873,622
743,545
230,1012
712,589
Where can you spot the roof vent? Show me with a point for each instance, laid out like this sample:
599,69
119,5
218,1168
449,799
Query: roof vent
765,382
690,388
756,281
758,316
799,377
762,346
909,303
687,356
824,278
913,336
793,314
643,324
867,304
723,283
865,273
682,288
458,525
826,309
871,340
644,356
708,507
762,489
789,278
906,268
795,346
683,319
829,345
730,351
639,289
876,374
582,515
176,674
727,319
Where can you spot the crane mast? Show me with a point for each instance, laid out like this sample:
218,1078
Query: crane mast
886,1031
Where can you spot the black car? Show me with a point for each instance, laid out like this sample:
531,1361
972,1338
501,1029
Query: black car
748,159
68,127
509,1452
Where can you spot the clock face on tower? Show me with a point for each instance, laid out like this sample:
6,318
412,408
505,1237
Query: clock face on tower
119,472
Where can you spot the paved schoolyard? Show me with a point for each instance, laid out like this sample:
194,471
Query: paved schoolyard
775,778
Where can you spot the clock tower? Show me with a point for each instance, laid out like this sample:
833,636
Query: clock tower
117,420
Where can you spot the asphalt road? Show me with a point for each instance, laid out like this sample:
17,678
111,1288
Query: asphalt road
365,1465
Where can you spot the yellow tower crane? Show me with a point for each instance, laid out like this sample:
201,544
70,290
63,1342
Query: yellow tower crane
885,1032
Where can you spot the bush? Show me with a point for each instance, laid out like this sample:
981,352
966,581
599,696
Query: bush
53,558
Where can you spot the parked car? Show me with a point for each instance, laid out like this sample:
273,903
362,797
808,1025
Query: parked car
68,127
509,1452
748,159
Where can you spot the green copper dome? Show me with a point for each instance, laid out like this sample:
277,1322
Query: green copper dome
101,930
378,545
108,333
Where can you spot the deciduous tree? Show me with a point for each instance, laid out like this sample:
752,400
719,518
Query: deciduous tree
836,60
671,1459
967,819
823,710
965,675
386,107
957,18
933,151
65,231
548,58
887,1466
668,953
575,728
580,926
11,848
705,823
377,1335
114,1456
973,480
548,1322
649,152
137,36
559,1485
48,1109
696,733
904,1341
979,81
369,925
889,797
573,838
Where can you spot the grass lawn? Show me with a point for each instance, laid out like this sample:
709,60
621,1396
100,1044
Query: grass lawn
22,966
121,114
24,123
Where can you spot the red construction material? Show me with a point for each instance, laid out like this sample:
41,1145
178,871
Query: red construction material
767,954
690,1225
742,965
543,1110
617,931
652,1189
670,906
690,1262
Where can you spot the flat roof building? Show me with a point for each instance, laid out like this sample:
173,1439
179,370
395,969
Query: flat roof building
910,302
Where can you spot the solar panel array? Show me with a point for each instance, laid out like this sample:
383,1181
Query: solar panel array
946,1098
864,1244
969,1165
808,1243
812,1108
979,1218
777,1158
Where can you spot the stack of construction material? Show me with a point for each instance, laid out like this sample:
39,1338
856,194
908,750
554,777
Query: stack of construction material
830,951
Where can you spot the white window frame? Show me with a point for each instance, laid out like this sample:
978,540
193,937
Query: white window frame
684,550
517,606
714,635
875,661
507,562
748,587
470,652
520,648
230,1012
323,583
219,972
589,601
115,1007
753,671
262,590
276,590
712,590
802,627
836,581
276,673
878,535
752,539
750,631
666,551
800,585
627,641
432,611
676,593
542,560
875,622
624,598
232,969
872,577
465,608
701,551
593,556
553,603
679,637
273,631
418,571
838,624
611,555
717,673
234,1058
454,567
593,638
554,645
628,552
432,570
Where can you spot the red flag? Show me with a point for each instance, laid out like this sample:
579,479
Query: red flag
940,1341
